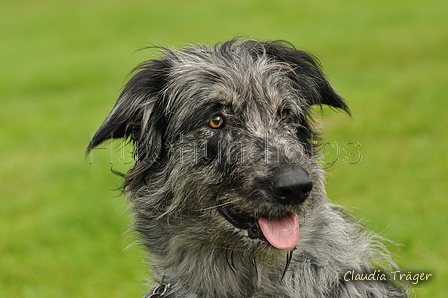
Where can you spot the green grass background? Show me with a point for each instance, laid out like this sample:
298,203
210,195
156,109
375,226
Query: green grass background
63,64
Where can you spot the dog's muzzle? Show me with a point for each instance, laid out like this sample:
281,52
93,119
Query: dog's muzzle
289,187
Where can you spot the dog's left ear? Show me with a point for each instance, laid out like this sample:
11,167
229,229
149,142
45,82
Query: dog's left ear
308,76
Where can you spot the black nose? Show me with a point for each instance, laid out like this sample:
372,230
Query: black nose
291,186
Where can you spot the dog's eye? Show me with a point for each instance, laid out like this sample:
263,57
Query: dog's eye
284,114
216,121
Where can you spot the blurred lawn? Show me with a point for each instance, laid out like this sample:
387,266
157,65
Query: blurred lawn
62,65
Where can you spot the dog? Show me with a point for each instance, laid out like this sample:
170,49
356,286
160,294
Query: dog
227,190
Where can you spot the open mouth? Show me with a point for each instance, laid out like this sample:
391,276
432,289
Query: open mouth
281,232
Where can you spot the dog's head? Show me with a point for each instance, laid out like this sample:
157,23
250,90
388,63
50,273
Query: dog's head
223,140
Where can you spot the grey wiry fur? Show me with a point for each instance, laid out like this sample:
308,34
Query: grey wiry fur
189,174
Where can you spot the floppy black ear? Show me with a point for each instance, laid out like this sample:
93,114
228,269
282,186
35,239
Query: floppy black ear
307,76
135,115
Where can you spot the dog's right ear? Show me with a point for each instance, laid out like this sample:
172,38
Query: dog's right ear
135,115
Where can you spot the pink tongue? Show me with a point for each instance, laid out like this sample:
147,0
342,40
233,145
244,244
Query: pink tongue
282,233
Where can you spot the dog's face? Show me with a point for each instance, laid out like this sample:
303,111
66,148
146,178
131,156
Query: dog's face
224,147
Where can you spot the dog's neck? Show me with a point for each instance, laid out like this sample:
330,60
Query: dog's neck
215,273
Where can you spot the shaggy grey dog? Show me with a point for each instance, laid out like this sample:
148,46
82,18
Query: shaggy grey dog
227,190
